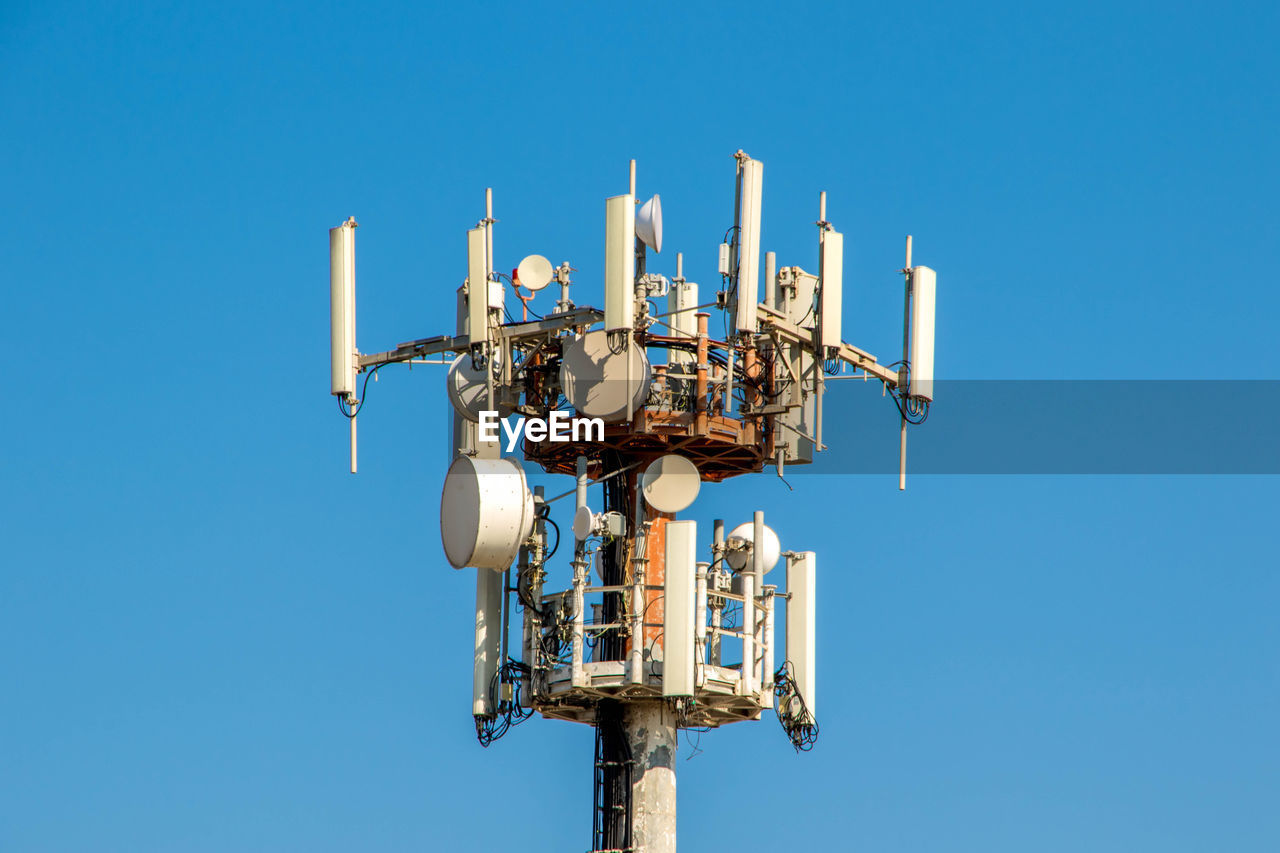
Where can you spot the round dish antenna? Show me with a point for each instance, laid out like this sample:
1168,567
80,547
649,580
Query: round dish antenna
486,512
670,483
649,223
534,272
598,382
466,387
739,540
584,521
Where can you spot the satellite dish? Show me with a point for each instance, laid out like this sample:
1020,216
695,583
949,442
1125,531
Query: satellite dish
534,272
466,386
595,379
740,537
486,512
670,483
649,223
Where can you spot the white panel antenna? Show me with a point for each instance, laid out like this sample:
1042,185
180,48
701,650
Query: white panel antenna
477,285
831,282
752,178
342,309
923,293
801,624
678,614
619,262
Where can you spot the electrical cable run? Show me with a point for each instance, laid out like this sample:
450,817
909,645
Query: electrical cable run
800,726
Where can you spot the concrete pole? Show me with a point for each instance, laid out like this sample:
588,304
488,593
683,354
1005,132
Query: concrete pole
651,732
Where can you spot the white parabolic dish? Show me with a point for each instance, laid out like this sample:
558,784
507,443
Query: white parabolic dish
745,532
486,511
596,380
467,390
534,272
670,483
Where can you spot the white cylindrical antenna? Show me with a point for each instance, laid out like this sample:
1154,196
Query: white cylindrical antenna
580,486
353,443
902,455
822,208
727,406
496,293
906,354
700,623
748,271
757,548
770,279
632,182
619,263
342,310
488,227
680,265
488,640
766,671
748,682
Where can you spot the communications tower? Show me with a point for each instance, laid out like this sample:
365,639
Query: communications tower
625,622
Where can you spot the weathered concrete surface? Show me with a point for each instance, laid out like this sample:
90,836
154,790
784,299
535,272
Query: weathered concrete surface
651,730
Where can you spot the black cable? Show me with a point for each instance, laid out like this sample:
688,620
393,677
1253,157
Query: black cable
555,547
797,722
351,413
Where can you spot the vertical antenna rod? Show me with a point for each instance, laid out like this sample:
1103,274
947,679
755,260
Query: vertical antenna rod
906,343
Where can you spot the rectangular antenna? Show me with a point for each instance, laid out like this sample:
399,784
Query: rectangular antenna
801,622
749,244
678,611
619,262
488,639
923,290
477,285
831,283
342,309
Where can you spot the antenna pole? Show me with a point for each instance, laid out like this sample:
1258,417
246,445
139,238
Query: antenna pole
651,732
906,344
353,443
484,289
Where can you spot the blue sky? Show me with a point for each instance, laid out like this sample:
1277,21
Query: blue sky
212,637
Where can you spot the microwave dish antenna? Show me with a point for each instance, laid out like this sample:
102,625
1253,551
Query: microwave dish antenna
466,384
486,513
649,223
602,383
670,483
739,539
534,273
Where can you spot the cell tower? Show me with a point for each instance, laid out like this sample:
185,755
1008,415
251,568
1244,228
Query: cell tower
641,638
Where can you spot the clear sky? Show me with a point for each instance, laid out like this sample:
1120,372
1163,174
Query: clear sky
213,638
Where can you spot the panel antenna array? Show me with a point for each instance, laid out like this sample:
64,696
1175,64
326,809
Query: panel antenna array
638,637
